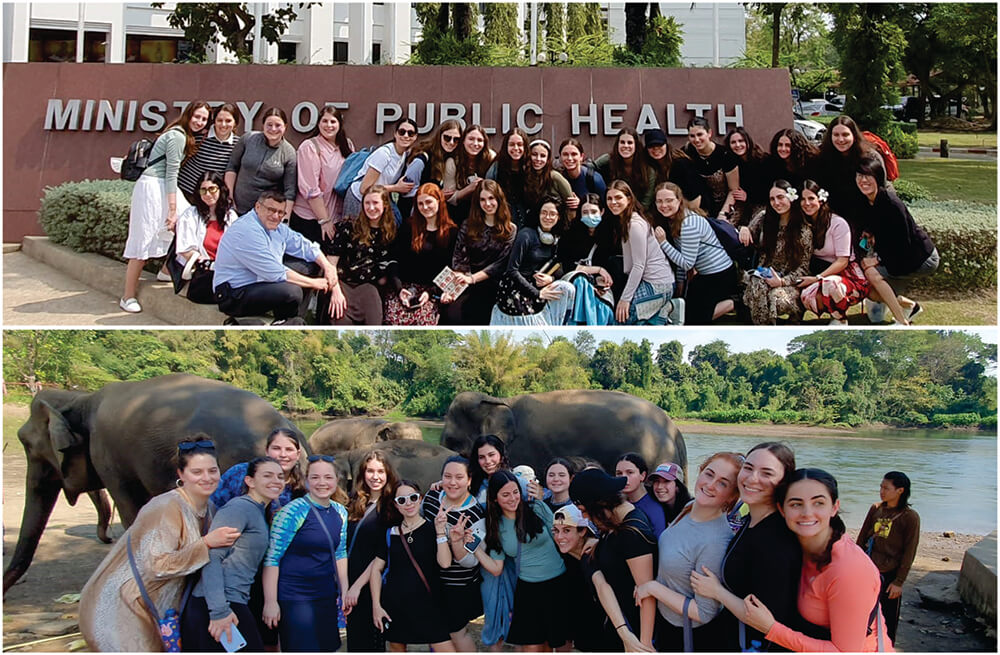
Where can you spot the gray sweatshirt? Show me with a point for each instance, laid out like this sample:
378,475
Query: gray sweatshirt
230,571
685,547
259,168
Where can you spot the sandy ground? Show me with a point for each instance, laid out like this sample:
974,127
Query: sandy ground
69,551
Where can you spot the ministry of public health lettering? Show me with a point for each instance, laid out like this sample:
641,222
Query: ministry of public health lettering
62,122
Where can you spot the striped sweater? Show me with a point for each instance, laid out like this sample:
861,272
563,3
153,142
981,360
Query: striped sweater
699,247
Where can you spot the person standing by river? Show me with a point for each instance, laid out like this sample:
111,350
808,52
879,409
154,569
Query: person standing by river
890,535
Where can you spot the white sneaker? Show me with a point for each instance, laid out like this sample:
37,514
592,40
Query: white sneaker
163,277
130,305
676,315
875,311
837,321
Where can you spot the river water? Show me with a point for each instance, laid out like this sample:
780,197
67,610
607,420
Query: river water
954,474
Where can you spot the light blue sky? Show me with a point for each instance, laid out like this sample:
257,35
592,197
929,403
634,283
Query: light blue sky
740,339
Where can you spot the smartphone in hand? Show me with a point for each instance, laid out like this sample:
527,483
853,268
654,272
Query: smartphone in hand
237,642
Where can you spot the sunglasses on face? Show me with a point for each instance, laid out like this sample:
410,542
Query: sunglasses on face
321,458
186,446
206,190
405,132
412,498
451,139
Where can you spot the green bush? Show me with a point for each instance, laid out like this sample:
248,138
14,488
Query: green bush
988,422
88,216
965,418
907,128
910,192
965,234
904,145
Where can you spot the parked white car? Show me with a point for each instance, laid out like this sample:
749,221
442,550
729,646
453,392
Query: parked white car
811,130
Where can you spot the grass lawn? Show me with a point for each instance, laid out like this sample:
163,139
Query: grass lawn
958,139
954,179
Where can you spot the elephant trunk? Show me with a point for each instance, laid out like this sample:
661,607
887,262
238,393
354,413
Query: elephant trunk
103,505
41,493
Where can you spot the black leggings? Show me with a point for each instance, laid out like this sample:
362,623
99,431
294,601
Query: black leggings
194,628
704,292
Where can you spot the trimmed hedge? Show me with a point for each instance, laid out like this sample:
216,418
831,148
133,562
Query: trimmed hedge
88,216
903,144
965,234
910,192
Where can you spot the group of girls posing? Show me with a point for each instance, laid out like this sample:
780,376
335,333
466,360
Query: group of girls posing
537,235
590,561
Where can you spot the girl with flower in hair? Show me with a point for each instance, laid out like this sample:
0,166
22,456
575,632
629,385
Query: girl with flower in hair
836,280
784,242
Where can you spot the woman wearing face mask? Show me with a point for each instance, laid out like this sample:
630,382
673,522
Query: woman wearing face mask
666,483
716,167
528,294
318,209
695,541
588,251
583,178
835,280
623,558
305,569
263,161
541,181
899,250
481,252
627,161
509,170
361,255
792,158
219,600
751,195
763,558
838,586
694,247
423,249
427,161
462,600
463,172
784,241
522,530
153,212
368,503
212,155
634,469
407,606
169,541
385,167
645,300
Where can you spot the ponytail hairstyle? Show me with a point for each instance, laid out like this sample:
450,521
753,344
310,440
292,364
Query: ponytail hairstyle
252,467
361,495
637,459
294,479
772,221
527,524
836,523
900,480
197,444
339,495
783,453
736,459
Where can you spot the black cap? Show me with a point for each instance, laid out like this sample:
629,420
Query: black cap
655,137
592,485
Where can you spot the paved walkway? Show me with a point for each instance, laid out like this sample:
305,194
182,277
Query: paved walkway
37,294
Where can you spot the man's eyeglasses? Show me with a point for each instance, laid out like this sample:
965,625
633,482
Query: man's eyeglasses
274,211
402,500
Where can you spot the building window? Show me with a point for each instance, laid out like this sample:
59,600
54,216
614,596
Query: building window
51,45
95,46
376,53
340,52
156,49
288,52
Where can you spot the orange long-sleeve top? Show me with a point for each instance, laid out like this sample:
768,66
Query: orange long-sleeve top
840,597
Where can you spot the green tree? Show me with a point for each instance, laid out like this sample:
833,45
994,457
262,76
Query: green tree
555,29
583,19
231,23
492,362
500,26
871,47
773,11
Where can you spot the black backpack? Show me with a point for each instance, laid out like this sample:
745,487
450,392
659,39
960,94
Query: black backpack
137,160
729,239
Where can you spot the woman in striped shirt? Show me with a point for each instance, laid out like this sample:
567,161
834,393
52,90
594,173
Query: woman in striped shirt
696,249
212,155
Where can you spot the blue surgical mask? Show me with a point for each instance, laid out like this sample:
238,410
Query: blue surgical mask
591,219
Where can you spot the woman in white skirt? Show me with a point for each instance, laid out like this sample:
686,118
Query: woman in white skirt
154,198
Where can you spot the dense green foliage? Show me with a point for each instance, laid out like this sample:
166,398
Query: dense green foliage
965,234
831,377
88,216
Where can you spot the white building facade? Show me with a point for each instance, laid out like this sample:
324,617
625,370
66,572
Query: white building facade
327,33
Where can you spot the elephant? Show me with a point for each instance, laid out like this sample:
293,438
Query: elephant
123,438
418,461
601,425
353,433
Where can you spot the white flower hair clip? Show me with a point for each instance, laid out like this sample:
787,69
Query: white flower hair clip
822,194
792,194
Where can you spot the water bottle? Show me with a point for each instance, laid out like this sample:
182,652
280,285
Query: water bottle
755,645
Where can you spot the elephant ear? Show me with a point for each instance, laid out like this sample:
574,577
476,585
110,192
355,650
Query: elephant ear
384,432
498,419
69,446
